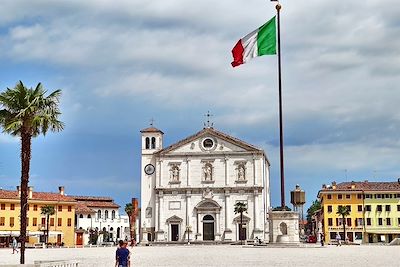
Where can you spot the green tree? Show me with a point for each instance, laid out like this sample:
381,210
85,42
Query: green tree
240,207
48,211
129,211
27,113
315,206
344,212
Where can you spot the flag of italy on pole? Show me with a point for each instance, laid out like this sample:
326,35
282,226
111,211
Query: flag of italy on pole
261,41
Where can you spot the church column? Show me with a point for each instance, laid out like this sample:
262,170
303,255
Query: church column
256,219
188,215
159,173
188,172
254,170
198,223
227,207
160,211
226,170
217,226
157,219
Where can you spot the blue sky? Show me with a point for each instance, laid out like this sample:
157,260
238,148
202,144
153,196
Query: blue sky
119,64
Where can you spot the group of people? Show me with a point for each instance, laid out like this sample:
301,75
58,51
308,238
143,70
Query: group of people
338,239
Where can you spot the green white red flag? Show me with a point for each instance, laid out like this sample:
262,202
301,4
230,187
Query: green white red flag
259,42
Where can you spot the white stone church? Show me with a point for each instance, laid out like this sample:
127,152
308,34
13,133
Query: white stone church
189,189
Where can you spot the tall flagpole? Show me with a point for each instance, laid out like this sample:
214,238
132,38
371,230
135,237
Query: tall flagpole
283,205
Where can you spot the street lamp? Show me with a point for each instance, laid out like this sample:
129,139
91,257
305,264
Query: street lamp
188,228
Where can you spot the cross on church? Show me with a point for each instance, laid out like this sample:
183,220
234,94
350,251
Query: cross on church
151,122
208,124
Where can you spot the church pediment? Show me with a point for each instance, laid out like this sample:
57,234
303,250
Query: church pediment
209,141
174,219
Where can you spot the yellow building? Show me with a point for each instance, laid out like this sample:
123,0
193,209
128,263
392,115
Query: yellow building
374,211
61,224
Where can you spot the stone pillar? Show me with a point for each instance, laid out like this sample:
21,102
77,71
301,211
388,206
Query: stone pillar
188,172
227,235
217,227
254,170
198,224
226,171
255,210
159,163
157,213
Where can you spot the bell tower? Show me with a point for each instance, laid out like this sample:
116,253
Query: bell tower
152,142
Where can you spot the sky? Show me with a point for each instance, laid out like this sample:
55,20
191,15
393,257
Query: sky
121,63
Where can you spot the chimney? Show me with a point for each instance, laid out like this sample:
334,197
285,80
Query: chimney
61,190
333,185
19,190
30,191
353,185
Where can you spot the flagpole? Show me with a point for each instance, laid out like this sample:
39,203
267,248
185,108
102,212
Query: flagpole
283,205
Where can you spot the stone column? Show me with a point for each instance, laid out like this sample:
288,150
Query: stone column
187,172
254,170
161,213
159,163
227,206
256,219
198,223
226,171
157,213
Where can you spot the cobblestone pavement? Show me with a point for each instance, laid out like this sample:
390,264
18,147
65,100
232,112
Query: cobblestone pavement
220,255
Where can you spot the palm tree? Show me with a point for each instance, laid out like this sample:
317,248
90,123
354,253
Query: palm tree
240,207
343,211
26,113
129,212
48,211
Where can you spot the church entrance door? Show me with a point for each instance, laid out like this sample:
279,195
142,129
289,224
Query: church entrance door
174,232
242,232
208,227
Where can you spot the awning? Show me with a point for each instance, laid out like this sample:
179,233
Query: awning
9,233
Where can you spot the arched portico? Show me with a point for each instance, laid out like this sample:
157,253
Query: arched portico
208,218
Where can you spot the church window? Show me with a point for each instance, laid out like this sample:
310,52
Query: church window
208,143
147,143
153,143
81,216
99,214
113,214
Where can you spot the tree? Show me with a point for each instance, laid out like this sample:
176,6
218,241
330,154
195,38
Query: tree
48,211
240,207
27,113
129,212
343,211
315,206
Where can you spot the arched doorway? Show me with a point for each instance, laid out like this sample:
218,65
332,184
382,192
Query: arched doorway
208,227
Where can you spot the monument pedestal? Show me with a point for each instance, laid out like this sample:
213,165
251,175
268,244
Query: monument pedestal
228,235
284,227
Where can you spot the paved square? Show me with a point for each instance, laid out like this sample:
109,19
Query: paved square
222,255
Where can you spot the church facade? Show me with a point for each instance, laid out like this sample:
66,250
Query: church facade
189,189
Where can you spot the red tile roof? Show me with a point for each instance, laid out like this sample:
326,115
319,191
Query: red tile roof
88,204
151,130
82,208
364,186
45,196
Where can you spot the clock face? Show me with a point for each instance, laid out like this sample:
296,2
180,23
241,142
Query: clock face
149,169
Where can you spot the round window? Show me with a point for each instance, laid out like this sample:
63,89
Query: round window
208,143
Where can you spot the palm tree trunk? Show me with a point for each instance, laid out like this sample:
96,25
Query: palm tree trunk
47,229
241,227
25,162
344,229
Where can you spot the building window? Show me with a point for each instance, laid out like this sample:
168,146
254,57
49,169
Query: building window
398,221
388,221
99,214
380,221
27,207
398,207
59,208
69,222
379,208
358,222
3,206
368,221
348,208
27,221
387,208
2,221
329,208
69,208
51,221
43,221
34,222
359,196
113,214
11,221
147,143
368,208
12,207
329,196
59,222
89,216
153,143
35,207
348,196
348,222
81,216
359,207
340,196
106,214
330,222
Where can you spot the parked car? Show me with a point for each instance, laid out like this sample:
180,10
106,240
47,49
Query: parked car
311,239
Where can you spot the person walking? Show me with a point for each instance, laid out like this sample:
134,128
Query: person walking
14,245
122,255
338,239
322,239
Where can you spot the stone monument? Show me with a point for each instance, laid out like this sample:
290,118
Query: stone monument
284,227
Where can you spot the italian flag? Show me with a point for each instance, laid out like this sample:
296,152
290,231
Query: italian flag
261,41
